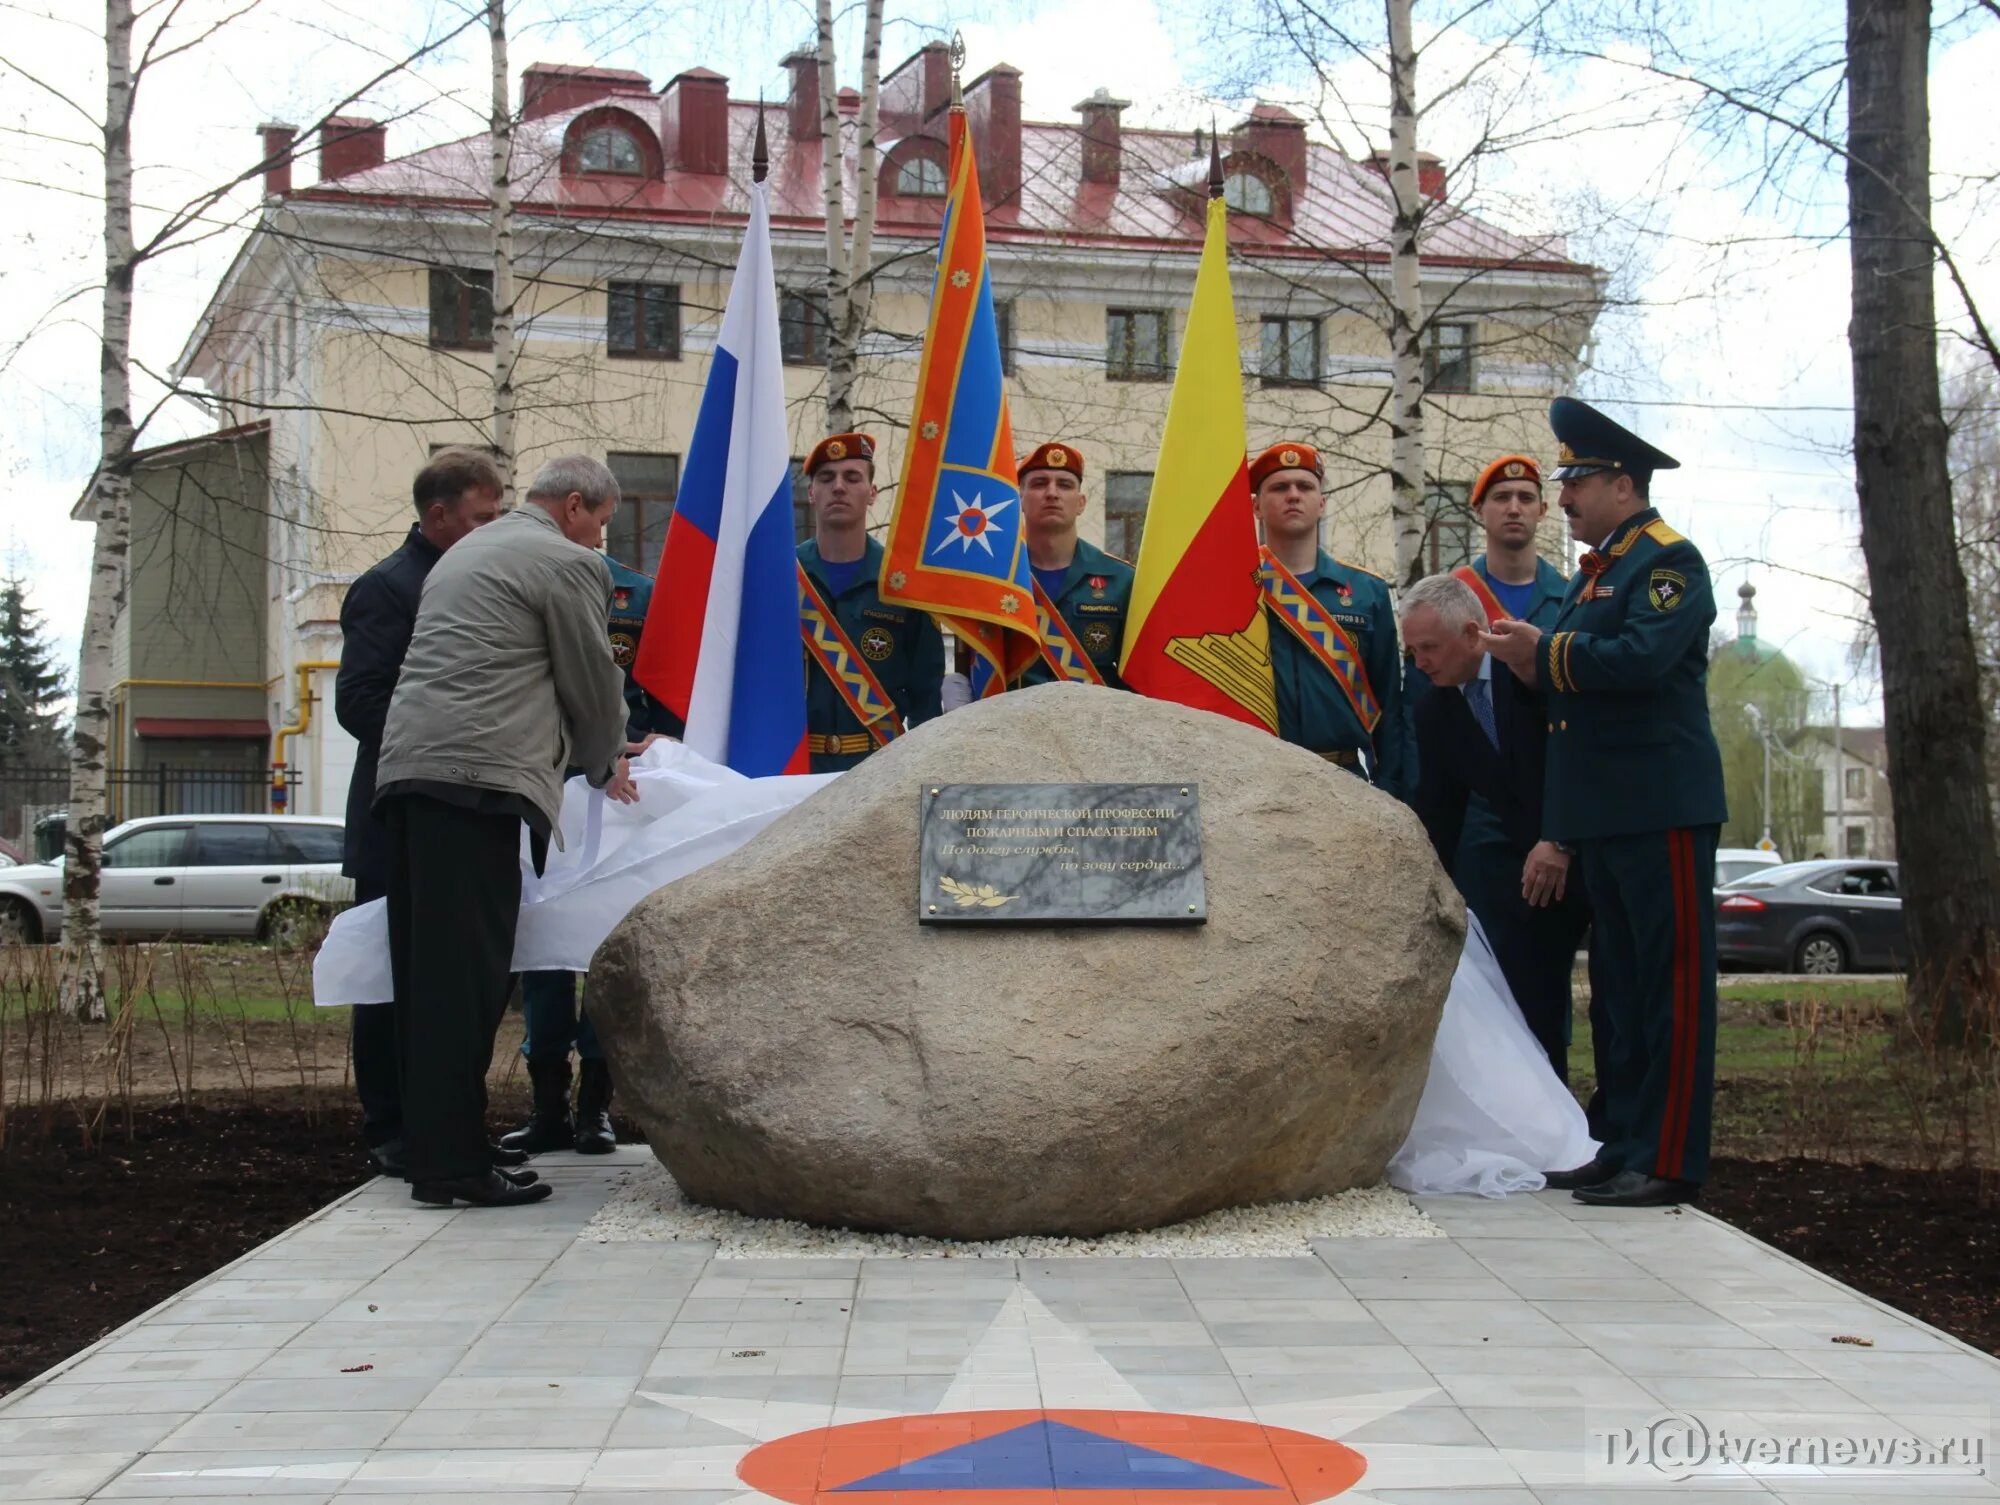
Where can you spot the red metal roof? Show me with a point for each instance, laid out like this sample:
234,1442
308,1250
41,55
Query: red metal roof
1343,211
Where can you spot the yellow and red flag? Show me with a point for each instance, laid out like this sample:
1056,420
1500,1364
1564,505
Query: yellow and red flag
956,546
1195,631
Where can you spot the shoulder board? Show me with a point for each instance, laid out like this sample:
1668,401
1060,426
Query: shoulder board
1660,533
1348,564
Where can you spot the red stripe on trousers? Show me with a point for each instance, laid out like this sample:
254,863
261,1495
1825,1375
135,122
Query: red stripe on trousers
1680,1065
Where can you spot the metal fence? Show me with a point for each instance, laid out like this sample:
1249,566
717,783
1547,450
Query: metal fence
33,800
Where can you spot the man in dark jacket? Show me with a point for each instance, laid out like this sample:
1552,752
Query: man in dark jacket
1482,734
459,490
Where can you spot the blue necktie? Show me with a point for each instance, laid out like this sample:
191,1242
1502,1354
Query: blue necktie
1479,695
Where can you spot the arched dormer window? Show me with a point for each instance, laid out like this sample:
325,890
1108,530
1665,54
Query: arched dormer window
1247,193
610,149
610,142
920,178
914,168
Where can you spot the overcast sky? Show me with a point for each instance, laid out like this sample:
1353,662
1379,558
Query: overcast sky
1733,356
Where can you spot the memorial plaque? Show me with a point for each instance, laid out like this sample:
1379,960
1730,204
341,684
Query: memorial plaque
1104,854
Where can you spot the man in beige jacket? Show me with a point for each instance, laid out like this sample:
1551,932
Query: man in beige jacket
509,680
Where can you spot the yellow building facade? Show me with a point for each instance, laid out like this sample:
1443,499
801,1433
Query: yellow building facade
356,320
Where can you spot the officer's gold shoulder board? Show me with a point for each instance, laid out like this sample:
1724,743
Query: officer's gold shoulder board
1661,534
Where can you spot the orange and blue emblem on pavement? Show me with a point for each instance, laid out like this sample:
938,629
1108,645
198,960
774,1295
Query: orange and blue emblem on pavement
1052,1458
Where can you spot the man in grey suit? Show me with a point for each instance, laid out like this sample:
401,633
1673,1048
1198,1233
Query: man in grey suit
509,679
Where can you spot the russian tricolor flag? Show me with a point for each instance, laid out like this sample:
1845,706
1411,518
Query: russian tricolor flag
721,642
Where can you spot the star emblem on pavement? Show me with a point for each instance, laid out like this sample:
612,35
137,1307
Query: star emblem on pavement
961,278
929,431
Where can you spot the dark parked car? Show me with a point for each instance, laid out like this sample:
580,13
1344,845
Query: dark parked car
1819,917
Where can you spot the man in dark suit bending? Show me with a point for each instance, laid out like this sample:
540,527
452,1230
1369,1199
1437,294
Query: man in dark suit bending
1484,732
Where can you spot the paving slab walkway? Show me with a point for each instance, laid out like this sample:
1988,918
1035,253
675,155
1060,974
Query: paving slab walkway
1541,1352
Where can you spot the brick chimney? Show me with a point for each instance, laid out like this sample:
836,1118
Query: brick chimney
349,144
916,89
551,88
278,139
1431,180
993,111
848,101
1101,144
1274,132
802,108
694,117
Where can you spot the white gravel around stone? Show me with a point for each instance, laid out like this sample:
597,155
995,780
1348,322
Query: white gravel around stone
648,1206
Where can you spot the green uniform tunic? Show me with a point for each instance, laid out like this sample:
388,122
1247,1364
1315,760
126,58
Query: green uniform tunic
1096,590
1313,711
901,646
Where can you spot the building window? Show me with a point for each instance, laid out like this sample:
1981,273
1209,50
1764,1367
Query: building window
1857,841
802,512
644,319
1247,193
1135,344
802,329
1448,358
1447,526
608,149
1125,494
1003,325
1291,352
1857,783
920,178
647,484
461,309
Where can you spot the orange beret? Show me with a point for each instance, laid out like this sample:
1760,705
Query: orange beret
840,447
1506,468
1290,455
1057,456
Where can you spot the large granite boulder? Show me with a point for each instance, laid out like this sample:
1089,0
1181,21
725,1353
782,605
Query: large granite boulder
796,1045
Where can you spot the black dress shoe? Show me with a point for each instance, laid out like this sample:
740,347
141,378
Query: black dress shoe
1590,1173
387,1157
490,1190
1637,1189
504,1155
519,1178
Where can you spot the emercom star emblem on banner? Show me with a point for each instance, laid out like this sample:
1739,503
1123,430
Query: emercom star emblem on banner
961,278
929,431
970,524
1010,604
897,580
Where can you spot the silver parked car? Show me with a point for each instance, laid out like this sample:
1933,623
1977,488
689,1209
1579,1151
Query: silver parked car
273,877
1817,917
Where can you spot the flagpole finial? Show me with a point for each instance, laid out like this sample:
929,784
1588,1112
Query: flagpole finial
1215,186
957,68
760,151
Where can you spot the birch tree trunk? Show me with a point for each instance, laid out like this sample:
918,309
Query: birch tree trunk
849,289
1930,679
81,962
500,208
1406,303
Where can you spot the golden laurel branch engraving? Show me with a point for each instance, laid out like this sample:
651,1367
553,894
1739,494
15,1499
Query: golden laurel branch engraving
985,896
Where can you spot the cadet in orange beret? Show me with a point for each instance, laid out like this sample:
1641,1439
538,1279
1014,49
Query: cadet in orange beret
1085,587
1334,657
895,652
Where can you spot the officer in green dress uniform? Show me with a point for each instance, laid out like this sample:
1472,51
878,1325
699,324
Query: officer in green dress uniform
1090,588
1314,710
900,647
1635,785
1511,579
553,1025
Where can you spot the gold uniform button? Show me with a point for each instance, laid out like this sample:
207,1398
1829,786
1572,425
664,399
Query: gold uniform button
1552,726
1565,726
